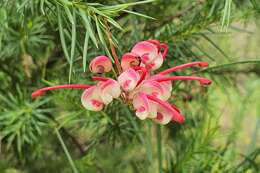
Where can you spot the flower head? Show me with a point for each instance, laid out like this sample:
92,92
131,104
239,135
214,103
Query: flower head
137,84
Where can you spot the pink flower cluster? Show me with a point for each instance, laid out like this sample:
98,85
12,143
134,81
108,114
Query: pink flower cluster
137,84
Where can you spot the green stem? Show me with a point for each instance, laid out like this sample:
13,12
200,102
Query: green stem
66,151
159,147
135,125
149,152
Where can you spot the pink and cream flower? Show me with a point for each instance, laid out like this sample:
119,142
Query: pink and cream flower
137,84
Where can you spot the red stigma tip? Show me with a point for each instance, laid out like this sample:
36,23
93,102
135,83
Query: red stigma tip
180,120
37,93
205,82
203,64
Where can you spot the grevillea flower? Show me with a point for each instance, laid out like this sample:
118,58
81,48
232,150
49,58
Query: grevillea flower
137,84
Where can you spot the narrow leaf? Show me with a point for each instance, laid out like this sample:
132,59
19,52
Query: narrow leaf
73,43
62,38
88,26
85,51
139,14
66,151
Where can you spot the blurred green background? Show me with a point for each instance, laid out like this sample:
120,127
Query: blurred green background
48,42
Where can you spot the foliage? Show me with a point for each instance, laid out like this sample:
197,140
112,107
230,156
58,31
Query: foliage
47,42
22,121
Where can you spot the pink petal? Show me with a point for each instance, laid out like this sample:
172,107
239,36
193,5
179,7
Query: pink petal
167,112
152,87
141,105
167,87
163,118
129,60
164,115
146,50
160,46
156,63
100,64
128,79
91,99
108,90
156,43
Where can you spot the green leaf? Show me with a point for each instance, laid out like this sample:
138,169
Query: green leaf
42,6
126,5
88,26
159,147
62,38
134,124
101,38
85,51
113,22
215,45
73,43
226,14
71,18
100,34
256,5
66,151
139,14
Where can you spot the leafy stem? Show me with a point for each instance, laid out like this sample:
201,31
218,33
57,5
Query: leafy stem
112,47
